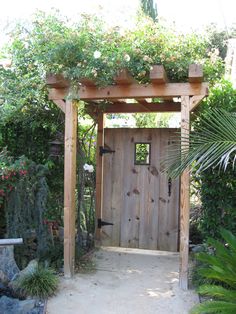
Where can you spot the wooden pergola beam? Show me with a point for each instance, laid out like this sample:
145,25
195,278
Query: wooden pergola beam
124,78
195,73
60,104
158,74
195,101
137,108
141,101
87,82
57,81
134,91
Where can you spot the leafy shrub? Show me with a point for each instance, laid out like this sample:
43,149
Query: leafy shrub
41,283
221,267
53,255
216,188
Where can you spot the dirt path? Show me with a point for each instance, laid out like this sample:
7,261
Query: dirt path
127,281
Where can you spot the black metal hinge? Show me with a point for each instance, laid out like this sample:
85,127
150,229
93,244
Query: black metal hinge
102,223
103,150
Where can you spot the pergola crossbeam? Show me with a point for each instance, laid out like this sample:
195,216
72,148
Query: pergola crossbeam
137,108
134,91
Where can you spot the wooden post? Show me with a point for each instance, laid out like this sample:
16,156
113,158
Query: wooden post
184,201
99,175
71,121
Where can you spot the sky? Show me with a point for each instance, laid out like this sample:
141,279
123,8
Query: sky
186,13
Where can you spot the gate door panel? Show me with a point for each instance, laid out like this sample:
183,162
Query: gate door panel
140,201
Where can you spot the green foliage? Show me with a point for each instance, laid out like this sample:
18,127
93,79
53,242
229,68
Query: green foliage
221,267
53,255
41,283
217,40
10,173
217,187
211,158
145,120
23,197
217,190
212,145
149,9
90,50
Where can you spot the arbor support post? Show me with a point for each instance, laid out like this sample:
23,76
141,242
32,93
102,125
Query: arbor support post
184,200
99,175
71,121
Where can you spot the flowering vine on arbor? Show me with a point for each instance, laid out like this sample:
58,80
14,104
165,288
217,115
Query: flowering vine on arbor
92,50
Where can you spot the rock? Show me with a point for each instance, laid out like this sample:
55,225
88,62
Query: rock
197,248
8,305
3,278
7,262
2,286
26,306
15,306
29,269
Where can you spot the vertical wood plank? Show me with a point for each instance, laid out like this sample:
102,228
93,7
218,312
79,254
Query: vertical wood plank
129,236
71,121
106,231
149,185
117,183
99,175
113,186
184,201
168,203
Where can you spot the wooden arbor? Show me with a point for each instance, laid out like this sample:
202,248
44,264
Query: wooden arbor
125,96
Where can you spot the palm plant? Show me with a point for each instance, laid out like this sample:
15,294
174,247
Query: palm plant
222,269
213,144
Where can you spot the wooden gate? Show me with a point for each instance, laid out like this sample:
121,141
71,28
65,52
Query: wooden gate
140,201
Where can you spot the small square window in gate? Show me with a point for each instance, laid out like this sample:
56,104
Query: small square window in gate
142,154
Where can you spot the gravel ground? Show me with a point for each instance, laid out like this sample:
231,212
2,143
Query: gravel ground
126,281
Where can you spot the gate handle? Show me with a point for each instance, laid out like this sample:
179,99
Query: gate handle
169,186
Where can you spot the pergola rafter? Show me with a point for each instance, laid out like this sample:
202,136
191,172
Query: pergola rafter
126,95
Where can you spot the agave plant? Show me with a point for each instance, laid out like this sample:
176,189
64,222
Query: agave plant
222,269
214,144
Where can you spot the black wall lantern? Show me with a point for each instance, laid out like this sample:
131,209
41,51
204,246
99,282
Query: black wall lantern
56,147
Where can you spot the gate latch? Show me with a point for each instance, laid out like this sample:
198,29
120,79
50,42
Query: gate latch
169,186
102,223
103,150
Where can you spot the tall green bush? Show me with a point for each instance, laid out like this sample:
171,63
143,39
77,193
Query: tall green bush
217,188
23,199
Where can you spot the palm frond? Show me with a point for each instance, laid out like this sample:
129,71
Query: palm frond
214,307
219,275
229,238
212,145
218,292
